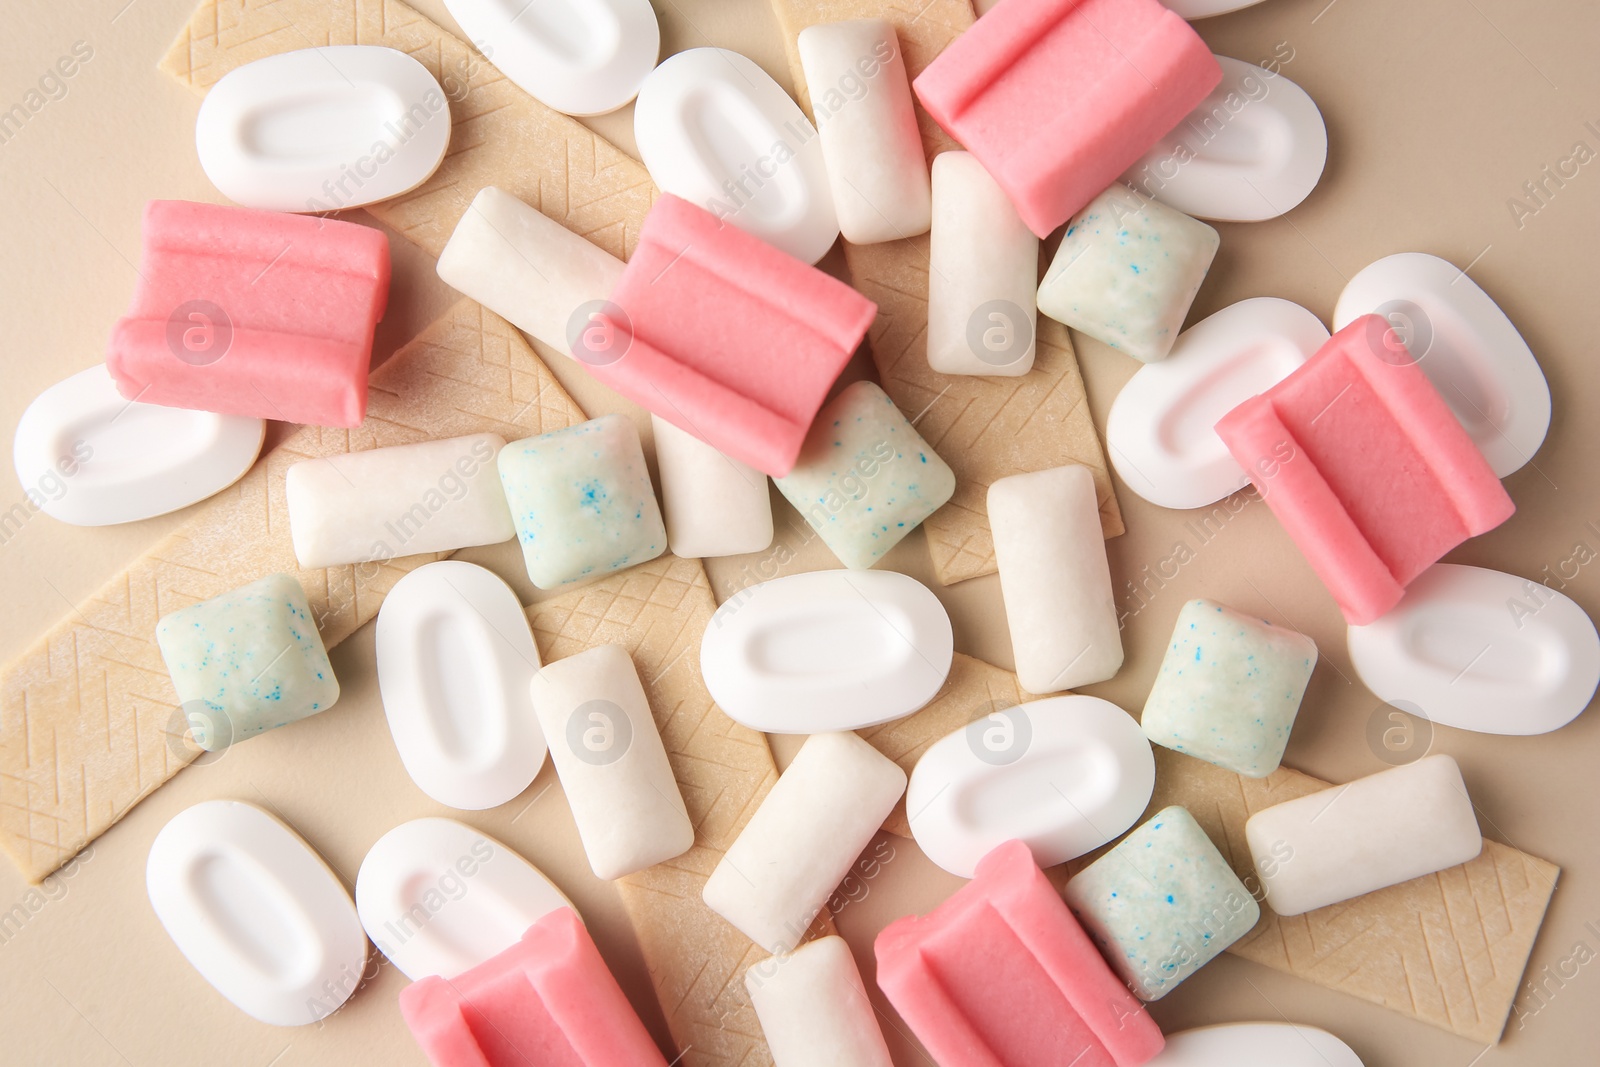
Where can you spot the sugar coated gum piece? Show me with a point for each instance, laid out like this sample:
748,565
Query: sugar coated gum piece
611,760
1229,688
1002,975
865,477
983,274
256,313
713,504
1127,271
247,661
1055,578
550,995
1366,468
726,337
814,1009
800,843
581,501
1058,97
1163,903
1352,839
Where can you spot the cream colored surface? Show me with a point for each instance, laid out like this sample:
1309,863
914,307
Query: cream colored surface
1437,114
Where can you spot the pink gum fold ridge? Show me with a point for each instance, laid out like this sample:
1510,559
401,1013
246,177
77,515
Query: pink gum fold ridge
1056,98
730,339
300,296
549,999
1002,975
1365,466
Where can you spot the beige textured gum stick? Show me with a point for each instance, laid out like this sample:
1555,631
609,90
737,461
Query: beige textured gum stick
89,723
1448,949
658,612
985,428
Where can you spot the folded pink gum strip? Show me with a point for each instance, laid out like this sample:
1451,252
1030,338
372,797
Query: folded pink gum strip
1002,975
255,313
548,999
1365,466
1057,98
731,340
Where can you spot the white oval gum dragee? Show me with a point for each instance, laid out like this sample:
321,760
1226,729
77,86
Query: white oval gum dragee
438,897
716,130
1055,578
1064,774
983,275
1254,149
713,504
1255,1045
612,763
1465,344
89,457
1481,650
581,57
861,99
323,129
256,911
1161,431
455,656
827,650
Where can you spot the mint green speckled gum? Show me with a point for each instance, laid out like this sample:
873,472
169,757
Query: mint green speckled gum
1127,271
247,661
581,501
1229,688
1162,904
865,477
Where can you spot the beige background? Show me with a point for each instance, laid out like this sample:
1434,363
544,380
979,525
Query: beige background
1438,111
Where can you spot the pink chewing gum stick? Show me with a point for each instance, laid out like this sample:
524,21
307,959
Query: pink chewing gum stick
549,999
1002,975
726,337
1056,98
257,313
1365,466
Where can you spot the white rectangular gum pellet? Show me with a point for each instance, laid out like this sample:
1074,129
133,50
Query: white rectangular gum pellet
861,99
713,504
800,843
1377,831
611,762
432,496
983,275
528,268
814,1009
1055,578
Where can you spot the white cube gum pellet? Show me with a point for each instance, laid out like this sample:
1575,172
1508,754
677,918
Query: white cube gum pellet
1377,831
861,99
1055,578
713,504
433,496
800,843
529,269
814,1009
983,275
611,762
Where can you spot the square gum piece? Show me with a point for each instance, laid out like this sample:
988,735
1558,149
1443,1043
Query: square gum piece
1229,688
1127,271
865,477
582,502
247,661
1162,904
